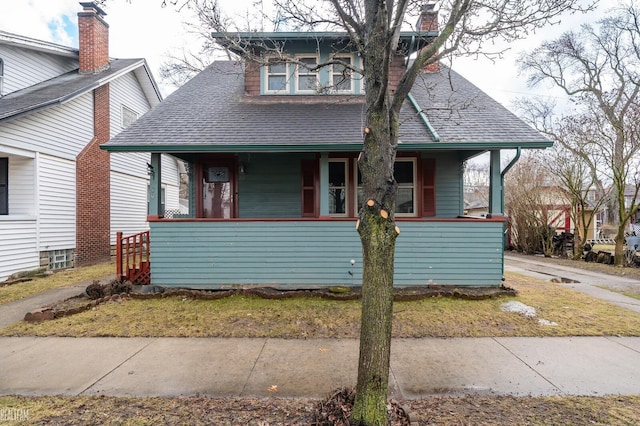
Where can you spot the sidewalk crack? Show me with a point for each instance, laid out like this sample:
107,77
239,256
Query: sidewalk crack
253,367
117,366
527,364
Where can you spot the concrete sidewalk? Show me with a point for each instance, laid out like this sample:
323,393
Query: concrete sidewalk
313,368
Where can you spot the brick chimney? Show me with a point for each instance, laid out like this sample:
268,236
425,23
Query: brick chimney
93,34
93,204
428,21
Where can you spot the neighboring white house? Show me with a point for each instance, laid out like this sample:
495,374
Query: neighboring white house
62,198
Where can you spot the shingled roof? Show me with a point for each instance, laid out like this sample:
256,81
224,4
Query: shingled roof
211,113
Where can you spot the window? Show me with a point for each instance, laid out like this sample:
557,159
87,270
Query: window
277,76
405,173
338,187
4,186
416,187
278,72
307,77
60,259
341,75
404,170
128,116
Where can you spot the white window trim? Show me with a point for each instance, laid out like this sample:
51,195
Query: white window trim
331,74
414,160
266,74
345,162
297,74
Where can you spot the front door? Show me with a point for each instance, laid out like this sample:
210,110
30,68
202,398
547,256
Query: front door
218,189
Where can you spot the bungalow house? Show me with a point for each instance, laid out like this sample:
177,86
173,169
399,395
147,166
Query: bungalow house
61,197
274,188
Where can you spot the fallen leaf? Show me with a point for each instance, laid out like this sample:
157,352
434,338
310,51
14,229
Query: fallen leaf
273,388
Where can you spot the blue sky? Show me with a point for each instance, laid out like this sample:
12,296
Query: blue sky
143,29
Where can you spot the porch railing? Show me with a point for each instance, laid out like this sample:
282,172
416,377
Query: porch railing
132,258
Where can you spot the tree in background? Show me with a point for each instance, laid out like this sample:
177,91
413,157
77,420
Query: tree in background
599,68
575,163
530,200
373,28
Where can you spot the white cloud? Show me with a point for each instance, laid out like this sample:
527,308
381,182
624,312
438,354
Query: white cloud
144,29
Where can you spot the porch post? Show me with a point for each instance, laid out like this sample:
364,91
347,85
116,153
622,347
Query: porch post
324,184
155,186
496,196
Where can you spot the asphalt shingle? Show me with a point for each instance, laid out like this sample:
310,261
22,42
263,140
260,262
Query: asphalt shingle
212,110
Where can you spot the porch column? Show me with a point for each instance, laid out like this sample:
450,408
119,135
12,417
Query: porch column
324,184
496,203
155,186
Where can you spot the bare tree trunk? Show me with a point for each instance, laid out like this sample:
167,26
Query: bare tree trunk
378,234
378,245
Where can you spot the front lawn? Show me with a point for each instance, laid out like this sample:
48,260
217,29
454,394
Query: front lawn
566,312
64,278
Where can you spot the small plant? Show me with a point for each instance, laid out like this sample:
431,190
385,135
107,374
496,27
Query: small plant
95,290
119,287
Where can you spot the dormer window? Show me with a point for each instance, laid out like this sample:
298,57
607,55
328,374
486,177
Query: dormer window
306,75
341,75
277,76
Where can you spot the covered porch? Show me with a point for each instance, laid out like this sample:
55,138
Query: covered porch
268,221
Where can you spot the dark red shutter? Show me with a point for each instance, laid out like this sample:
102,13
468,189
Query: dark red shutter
428,187
310,204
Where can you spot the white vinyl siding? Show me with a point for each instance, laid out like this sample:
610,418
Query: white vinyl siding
128,204
17,246
62,132
129,182
24,68
57,178
125,92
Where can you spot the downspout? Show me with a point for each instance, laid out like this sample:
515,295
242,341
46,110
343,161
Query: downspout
504,172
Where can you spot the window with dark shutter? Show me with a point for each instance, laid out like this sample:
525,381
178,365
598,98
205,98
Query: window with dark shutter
428,187
310,202
4,186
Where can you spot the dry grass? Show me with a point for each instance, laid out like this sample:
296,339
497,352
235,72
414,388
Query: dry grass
58,279
476,410
239,316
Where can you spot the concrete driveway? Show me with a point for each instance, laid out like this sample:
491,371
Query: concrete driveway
581,280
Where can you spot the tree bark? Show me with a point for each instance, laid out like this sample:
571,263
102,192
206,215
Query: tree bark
378,233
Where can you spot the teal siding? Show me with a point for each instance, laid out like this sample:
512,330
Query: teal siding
271,186
317,253
448,191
